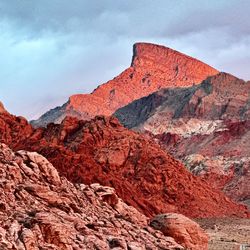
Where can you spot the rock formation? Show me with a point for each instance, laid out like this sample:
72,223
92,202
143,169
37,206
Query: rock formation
143,174
184,230
41,210
153,67
13,129
206,126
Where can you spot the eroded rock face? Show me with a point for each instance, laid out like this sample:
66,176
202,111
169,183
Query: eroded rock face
143,174
103,151
153,67
186,232
13,129
206,126
41,210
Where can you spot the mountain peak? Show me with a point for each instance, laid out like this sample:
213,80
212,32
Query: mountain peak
153,67
142,49
148,54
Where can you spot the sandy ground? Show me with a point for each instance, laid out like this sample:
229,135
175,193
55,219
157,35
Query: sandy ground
227,233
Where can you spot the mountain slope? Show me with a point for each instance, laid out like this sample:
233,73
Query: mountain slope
206,126
143,174
153,67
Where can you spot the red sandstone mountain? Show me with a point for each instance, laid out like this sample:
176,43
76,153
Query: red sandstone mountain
143,174
206,126
153,67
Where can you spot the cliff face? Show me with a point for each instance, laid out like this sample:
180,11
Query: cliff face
143,174
153,67
206,126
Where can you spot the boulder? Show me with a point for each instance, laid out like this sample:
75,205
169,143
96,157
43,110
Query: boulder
185,231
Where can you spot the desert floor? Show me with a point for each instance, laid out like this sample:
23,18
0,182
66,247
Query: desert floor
227,233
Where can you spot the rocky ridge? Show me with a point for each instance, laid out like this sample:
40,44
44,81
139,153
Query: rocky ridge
206,126
153,67
143,174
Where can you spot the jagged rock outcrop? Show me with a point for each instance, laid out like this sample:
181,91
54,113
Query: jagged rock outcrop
13,129
184,230
153,67
101,150
143,174
41,210
206,126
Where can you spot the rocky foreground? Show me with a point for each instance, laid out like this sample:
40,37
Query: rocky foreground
41,210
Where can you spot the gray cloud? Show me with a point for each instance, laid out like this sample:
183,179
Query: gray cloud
52,49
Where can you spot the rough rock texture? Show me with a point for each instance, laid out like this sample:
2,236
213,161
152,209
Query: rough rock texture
13,129
41,210
153,67
206,126
185,231
143,174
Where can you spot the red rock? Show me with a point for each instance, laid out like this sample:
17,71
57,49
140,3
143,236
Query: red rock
206,126
153,67
185,231
41,210
13,129
144,176
103,151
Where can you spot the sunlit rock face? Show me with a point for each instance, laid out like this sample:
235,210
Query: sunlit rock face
206,126
153,67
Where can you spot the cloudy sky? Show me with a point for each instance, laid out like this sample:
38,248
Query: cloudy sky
51,49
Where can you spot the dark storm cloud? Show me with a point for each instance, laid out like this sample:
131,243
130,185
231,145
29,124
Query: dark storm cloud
51,49
135,18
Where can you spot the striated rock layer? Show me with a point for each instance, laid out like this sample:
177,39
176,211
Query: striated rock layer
143,174
41,210
153,67
206,126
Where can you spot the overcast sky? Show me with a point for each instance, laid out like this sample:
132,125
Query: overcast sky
51,49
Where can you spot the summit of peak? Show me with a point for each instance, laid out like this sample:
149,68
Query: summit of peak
144,47
166,56
153,67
